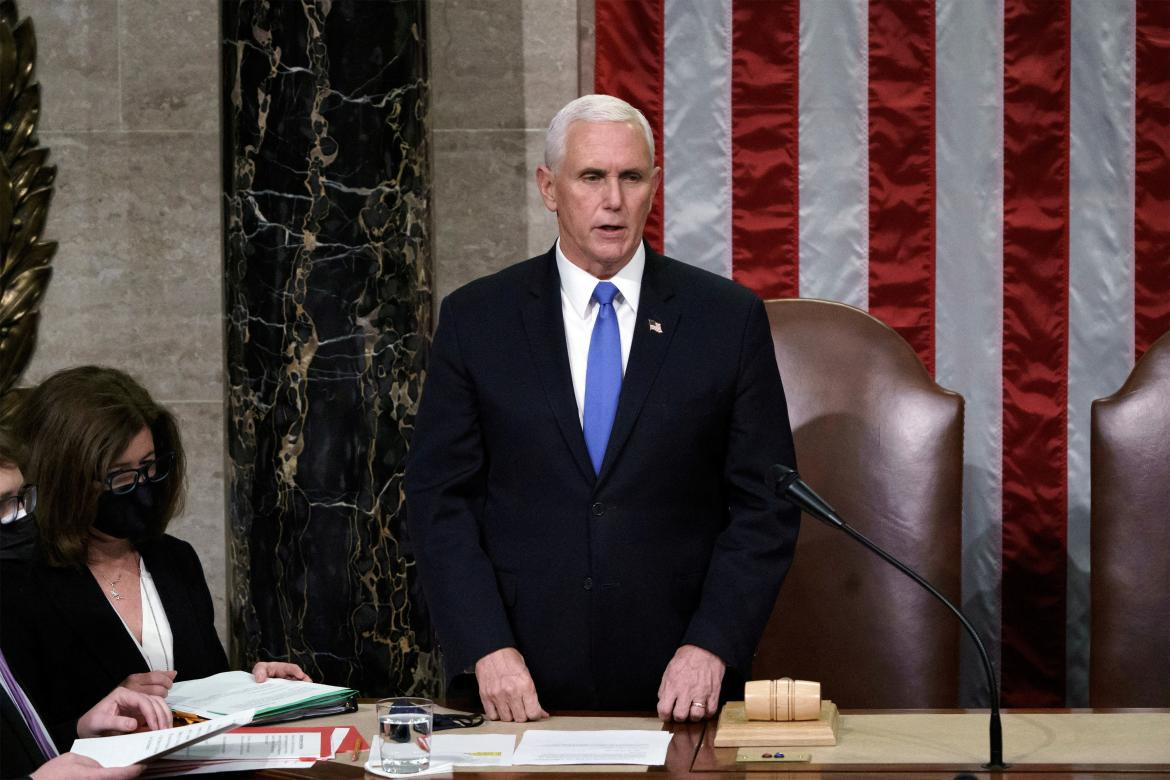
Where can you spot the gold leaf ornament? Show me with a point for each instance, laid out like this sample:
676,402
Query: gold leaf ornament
26,189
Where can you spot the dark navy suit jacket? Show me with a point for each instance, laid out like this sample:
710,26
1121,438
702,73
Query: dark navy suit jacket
598,579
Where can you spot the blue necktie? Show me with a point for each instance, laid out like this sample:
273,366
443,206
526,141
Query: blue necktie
603,375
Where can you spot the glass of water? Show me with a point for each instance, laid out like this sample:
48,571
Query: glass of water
404,725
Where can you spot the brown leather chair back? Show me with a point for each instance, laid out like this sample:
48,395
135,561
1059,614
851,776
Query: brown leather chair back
1130,538
878,439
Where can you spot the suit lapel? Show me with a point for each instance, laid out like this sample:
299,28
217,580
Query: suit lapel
654,329
545,325
81,604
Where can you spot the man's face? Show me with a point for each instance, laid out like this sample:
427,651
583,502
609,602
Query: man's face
601,192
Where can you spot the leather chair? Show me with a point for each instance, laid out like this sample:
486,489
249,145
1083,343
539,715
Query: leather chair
878,439
1130,538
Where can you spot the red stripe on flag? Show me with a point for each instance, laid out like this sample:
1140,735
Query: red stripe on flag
901,170
629,51
765,238
1035,349
1151,219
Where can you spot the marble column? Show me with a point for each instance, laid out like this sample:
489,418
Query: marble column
328,316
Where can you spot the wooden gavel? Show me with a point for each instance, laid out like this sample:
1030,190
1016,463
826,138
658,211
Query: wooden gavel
783,699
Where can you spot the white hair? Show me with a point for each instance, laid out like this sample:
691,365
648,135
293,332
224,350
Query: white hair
591,108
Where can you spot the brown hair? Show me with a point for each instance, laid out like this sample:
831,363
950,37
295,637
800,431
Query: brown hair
77,423
13,454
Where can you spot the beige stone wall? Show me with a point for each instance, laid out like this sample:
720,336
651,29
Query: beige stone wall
500,69
130,111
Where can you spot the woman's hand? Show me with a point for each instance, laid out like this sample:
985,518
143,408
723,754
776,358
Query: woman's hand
151,683
265,669
71,766
123,711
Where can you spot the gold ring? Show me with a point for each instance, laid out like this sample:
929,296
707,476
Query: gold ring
697,703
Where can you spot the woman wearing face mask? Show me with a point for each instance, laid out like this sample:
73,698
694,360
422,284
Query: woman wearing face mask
110,599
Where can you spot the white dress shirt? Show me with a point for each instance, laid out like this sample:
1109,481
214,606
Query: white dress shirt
580,312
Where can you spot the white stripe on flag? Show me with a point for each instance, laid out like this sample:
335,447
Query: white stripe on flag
969,293
1101,259
696,126
834,151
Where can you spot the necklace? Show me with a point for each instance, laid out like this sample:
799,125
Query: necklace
114,594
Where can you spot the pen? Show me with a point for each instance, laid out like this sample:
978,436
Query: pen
189,717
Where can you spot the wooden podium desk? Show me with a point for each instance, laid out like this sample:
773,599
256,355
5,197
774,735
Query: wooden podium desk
1130,744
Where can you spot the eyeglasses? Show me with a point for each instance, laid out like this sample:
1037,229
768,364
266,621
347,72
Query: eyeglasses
10,505
125,481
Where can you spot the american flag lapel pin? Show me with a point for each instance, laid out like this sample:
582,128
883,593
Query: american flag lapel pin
655,326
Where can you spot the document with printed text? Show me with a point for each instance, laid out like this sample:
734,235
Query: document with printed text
592,747
127,749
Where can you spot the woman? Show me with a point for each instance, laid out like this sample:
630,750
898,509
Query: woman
111,599
22,746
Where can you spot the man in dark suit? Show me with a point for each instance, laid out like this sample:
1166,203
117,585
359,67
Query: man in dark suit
587,491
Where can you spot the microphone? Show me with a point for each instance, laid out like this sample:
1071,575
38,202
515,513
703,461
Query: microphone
788,485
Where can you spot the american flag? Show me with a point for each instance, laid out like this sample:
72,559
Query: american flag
989,177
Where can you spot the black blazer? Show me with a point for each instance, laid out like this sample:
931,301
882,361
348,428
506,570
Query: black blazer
597,580
68,648
19,754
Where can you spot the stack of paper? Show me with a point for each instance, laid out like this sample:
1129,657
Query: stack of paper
209,747
264,747
274,700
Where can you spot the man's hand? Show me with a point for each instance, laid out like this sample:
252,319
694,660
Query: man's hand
123,711
265,669
693,676
151,683
70,766
506,687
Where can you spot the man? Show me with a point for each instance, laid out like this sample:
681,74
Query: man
586,488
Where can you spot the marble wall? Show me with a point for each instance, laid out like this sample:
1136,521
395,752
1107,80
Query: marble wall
130,96
327,292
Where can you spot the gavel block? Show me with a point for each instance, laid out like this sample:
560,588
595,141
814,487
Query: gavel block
778,713
783,699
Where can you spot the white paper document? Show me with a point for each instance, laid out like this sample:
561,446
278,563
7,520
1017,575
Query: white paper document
127,749
592,747
182,768
473,749
251,746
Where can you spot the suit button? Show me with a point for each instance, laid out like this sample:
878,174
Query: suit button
598,509
588,584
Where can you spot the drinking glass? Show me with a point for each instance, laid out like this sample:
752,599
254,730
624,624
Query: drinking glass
404,725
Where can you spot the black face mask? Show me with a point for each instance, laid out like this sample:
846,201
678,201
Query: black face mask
127,516
18,538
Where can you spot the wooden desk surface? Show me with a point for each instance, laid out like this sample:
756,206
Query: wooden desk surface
915,745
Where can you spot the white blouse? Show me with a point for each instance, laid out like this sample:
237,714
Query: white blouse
157,645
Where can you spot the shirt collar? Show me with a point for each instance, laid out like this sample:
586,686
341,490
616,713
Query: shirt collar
577,284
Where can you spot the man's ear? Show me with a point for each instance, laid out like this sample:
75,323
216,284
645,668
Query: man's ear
544,181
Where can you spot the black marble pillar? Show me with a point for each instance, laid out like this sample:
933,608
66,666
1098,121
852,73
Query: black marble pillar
327,294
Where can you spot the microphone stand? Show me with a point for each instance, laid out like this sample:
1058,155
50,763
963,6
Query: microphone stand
789,486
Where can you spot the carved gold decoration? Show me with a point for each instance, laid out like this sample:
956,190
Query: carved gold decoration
26,187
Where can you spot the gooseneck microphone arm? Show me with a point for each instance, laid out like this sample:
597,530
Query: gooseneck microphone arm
789,486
